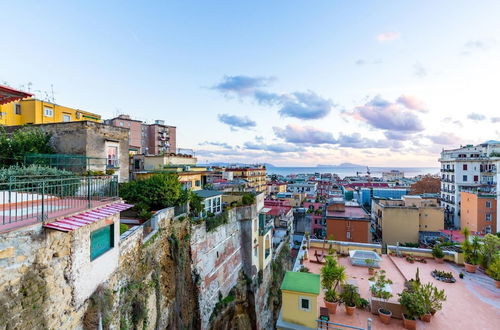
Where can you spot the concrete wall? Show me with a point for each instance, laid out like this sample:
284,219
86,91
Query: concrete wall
343,247
431,218
400,225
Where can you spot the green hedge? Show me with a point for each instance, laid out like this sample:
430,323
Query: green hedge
215,221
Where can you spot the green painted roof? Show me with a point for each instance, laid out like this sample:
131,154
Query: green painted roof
301,282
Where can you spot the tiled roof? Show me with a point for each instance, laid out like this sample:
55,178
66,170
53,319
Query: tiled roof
85,218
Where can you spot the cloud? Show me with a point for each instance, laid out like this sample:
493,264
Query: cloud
399,136
355,140
476,116
478,45
445,139
236,121
361,61
302,105
241,85
388,36
412,103
382,114
307,105
419,70
276,147
304,135
495,119
448,120
216,143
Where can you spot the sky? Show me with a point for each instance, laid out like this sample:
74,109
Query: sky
291,83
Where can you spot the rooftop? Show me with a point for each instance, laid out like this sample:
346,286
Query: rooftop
472,302
351,212
301,282
207,193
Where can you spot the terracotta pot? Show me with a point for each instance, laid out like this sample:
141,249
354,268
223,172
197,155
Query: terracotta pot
350,309
439,260
409,324
385,318
470,268
497,283
426,317
332,306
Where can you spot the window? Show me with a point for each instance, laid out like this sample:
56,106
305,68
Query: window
112,156
66,117
488,216
464,178
348,235
488,204
101,241
487,229
476,178
304,304
48,112
464,167
255,251
121,123
198,183
17,109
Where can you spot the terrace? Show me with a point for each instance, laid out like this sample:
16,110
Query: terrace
472,302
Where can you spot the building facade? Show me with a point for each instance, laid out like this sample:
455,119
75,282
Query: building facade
466,168
478,212
402,220
34,111
254,175
347,223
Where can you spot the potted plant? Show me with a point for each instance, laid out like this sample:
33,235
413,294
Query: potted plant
471,251
494,271
431,299
332,274
438,254
370,263
378,290
349,297
362,303
412,306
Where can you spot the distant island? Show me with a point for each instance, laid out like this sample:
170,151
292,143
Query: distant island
342,165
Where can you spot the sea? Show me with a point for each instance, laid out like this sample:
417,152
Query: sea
352,171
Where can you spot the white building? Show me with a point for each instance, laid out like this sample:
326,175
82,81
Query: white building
303,187
393,175
469,167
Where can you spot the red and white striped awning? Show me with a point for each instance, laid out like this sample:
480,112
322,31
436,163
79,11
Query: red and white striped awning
85,218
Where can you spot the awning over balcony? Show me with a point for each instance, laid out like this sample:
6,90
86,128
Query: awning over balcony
85,218
8,94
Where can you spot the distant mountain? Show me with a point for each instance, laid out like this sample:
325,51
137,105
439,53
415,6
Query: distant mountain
225,164
342,165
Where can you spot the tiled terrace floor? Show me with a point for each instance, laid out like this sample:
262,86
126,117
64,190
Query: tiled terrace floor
469,305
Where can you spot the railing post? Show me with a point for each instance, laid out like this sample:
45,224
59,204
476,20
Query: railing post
43,201
88,193
369,325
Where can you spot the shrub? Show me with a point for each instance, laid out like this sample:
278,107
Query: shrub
471,250
332,274
248,199
25,140
494,269
378,288
349,295
123,228
211,223
304,269
489,249
362,303
437,252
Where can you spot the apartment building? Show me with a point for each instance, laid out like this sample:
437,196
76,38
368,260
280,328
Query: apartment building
309,188
254,175
34,111
478,211
468,168
347,222
393,175
401,220
148,139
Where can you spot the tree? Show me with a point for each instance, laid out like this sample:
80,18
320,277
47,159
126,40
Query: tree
428,184
23,141
490,249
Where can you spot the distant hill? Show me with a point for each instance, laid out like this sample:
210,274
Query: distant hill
225,164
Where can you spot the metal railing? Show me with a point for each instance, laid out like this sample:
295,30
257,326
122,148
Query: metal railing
327,325
24,201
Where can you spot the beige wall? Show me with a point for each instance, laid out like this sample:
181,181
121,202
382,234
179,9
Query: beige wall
431,218
158,162
400,225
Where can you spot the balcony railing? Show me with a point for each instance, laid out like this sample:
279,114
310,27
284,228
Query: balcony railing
447,170
29,201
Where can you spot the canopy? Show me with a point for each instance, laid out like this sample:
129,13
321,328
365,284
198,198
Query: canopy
8,94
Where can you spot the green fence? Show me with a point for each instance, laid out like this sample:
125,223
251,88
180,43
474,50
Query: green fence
72,163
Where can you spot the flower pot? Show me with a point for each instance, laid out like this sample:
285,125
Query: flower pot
426,317
409,324
350,309
332,306
469,268
371,271
384,316
439,260
497,283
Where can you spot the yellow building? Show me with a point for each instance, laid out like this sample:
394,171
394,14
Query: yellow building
299,292
255,176
33,111
401,220
193,177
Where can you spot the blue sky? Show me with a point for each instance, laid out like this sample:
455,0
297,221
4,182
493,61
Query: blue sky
287,82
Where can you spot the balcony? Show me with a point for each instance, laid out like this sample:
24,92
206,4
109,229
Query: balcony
450,170
448,180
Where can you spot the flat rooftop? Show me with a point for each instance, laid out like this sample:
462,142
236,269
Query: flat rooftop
349,212
472,302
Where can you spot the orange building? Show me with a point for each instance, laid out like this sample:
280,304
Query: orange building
347,223
478,212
